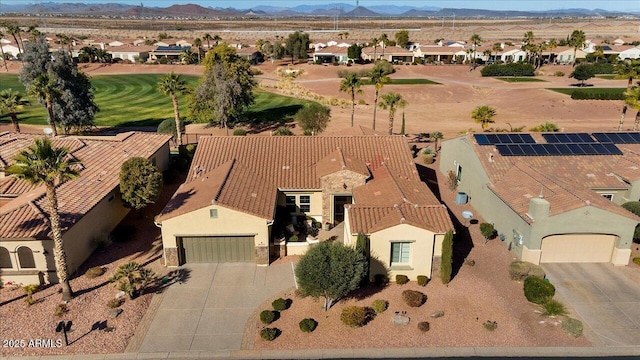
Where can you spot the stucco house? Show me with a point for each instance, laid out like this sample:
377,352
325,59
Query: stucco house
549,203
630,53
90,206
131,53
225,211
332,54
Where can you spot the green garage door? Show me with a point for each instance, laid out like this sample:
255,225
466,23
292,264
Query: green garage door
218,249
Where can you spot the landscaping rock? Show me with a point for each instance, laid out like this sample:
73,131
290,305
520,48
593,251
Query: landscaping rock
114,313
120,294
470,262
520,270
572,326
437,314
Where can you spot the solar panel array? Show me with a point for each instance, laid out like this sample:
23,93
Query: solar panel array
492,139
618,137
557,149
566,138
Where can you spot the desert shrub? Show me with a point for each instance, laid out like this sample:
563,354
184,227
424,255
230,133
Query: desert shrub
279,304
100,243
167,126
402,279
61,309
423,326
422,280
269,334
636,260
572,326
538,291
354,316
282,131
132,278
114,303
308,325
267,317
239,132
446,261
387,67
381,279
487,230
307,132
490,325
553,307
413,298
362,102
514,69
94,272
379,306
558,73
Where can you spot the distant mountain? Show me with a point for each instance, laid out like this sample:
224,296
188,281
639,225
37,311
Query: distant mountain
361,11
397,10
308,9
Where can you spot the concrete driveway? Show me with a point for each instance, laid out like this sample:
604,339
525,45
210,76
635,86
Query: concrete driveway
603,298
209,310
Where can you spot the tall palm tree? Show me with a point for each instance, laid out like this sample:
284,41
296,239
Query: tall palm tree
487,54
351,83
576,40
172,85
207,37
14,30
392,101
375,42
216,38
631,70
4,58
632,99
188,57
45,90
40,163
12,102
378,78
384,38
528,44
484,115
476,41
197,42
496,48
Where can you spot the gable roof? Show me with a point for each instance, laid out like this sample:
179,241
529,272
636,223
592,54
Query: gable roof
338,160
370,219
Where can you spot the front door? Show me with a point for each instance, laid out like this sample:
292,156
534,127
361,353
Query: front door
338,208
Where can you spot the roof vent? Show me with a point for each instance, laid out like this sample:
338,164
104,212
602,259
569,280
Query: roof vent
254,195
286,167
591,175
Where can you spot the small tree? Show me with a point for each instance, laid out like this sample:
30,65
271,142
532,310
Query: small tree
354,52
402,38
313,117
392,101
437,136
487,231
583,72
12,102
330,270
446,261
483,115
140,183
132,278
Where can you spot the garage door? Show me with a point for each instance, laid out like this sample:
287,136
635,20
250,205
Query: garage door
218,249
577,248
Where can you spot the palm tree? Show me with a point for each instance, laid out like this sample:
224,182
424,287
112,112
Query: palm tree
378,78
476,41
351,83
576,40
4,58
496,48
13,30
484,115
40,163
375,42
384,38
629,69
437,136
487,54
392,101
188,57
529,42
599,52
216,38
632,99
207,37
12,102
197,42
172,85
45,90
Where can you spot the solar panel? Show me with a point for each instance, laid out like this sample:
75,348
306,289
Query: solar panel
481,139
568,138
558,149
492,139
618,137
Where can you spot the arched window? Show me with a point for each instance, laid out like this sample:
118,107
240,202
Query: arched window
5,259
25,257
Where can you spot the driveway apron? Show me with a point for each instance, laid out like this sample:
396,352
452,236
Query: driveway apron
603,298
209,310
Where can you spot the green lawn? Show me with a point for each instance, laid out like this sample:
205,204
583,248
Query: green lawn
520,79
404,82
132,100
608,77
569,91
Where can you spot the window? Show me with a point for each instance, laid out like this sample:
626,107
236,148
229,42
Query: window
459,173
290,203
305,203
25,257
608,196
400,252
5,259
213,213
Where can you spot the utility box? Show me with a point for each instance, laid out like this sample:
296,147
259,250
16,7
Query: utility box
461,198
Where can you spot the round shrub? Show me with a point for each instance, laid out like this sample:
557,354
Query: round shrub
553,308
267,317
633,206
538,291
413,298
422,280
354,316
379,306
308,325
114,303
167,126
279,304
94,272
269,334
239,132
402,279
423,326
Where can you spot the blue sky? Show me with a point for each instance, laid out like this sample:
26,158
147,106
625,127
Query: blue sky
619,5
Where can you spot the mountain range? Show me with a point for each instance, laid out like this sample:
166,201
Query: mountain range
333,9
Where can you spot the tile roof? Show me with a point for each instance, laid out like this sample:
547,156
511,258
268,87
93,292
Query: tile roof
356,130
370,219
101,156
337,161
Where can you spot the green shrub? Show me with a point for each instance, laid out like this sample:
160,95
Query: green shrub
294,238
94,272
423,280
239,132
636,260
402,279
490,325
572,326
553,307
487,230
308,325
538,291
279,304
379,306
355,316
596,95
61,309
307,132
446,261
413,298
31,289
558,73
114,303
514,69
269,334
267,317
282,131
381,279
423,326
167,126
633,206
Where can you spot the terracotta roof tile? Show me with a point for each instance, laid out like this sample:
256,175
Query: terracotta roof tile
338,160
389,188
370,219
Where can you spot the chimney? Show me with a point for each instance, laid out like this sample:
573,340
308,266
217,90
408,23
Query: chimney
538,208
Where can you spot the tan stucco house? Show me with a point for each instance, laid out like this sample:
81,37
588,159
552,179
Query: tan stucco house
90,206
225,211
556,208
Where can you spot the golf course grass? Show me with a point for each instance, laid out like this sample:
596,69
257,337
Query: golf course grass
404,82
132,100
590,90
520,79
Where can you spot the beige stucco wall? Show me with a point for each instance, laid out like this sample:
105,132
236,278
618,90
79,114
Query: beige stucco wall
618,194
577,248
162,157
229,222
316,201
43,263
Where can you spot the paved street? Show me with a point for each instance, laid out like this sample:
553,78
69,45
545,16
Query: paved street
208,311
605,299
